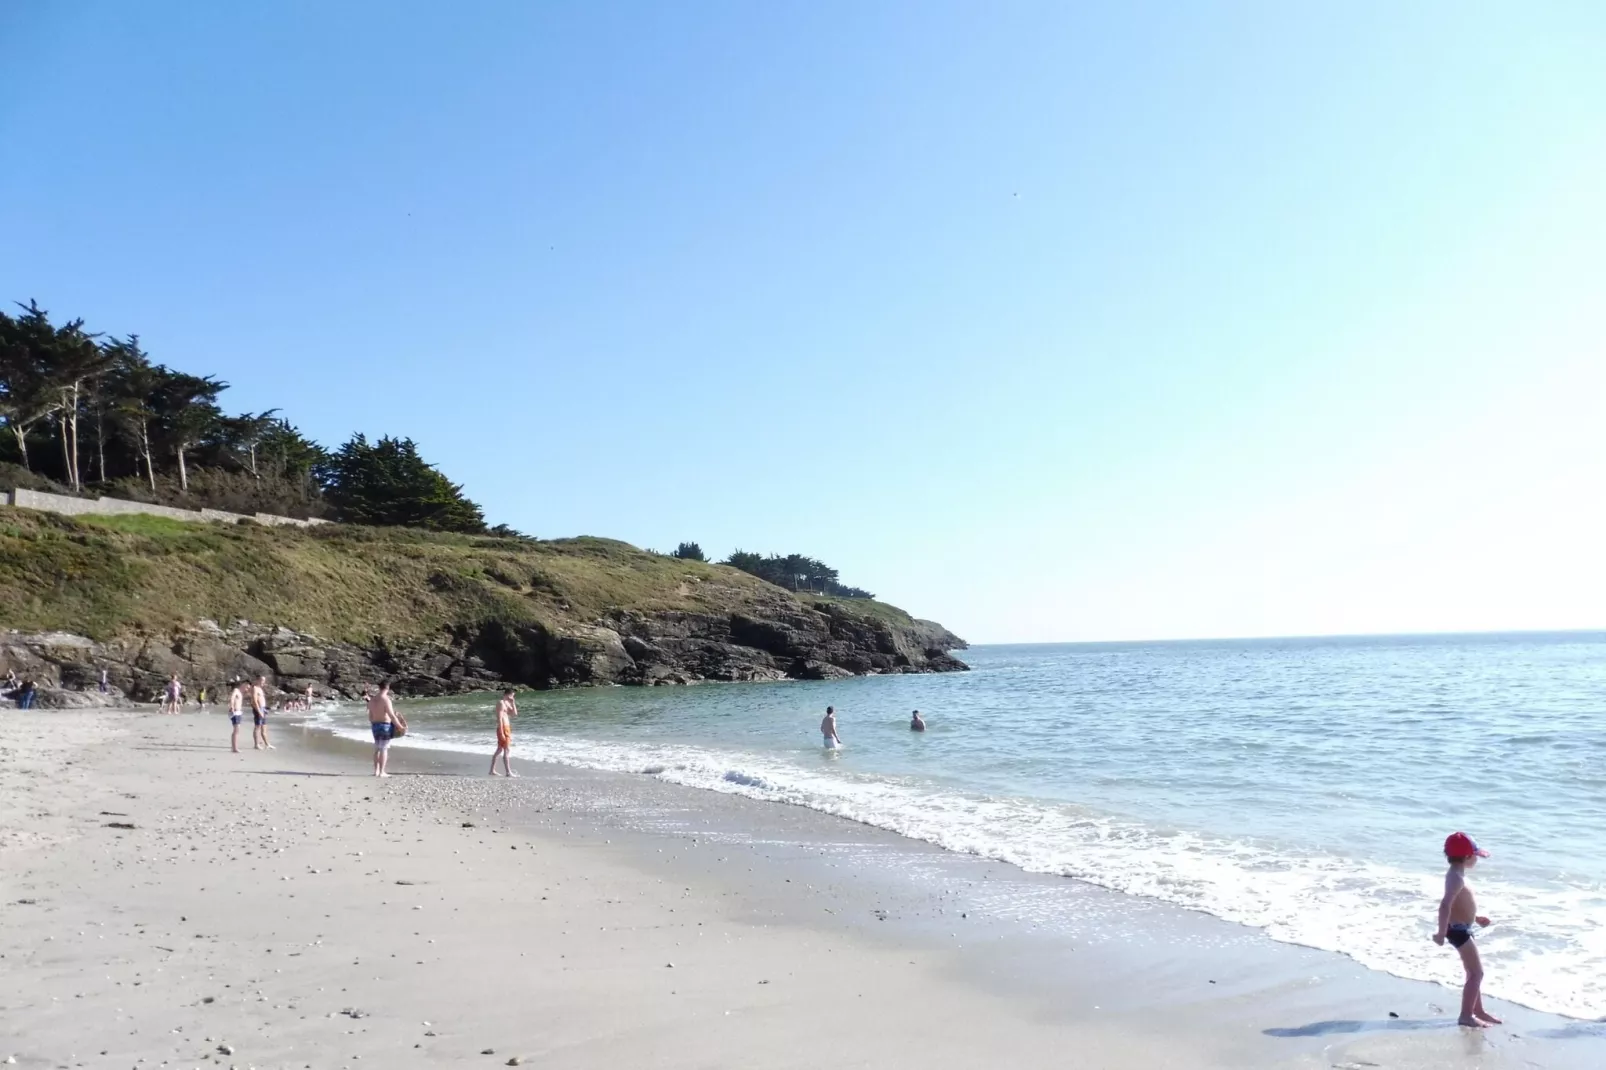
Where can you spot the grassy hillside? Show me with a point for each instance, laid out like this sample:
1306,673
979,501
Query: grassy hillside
109,576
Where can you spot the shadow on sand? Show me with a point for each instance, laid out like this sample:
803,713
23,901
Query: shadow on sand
370,776
1382,1025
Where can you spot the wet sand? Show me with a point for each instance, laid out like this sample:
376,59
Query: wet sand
282,908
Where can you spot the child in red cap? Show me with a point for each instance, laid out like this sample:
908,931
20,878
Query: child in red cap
1458,911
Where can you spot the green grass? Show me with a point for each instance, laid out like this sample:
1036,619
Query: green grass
106,576
860,607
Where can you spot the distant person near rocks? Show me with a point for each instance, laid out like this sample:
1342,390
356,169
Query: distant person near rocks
27,691
916,722
259,715
172,695
506,709
828,729
236,709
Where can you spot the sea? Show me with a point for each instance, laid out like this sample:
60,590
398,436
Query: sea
1303,787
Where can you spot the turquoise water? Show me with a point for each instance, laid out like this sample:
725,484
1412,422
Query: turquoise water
1301,786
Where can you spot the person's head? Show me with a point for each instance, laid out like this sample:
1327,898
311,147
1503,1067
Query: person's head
508,693
174,678
384,687
261,680
1460,850
830,709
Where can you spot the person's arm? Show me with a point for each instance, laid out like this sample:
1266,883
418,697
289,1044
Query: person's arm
1453,882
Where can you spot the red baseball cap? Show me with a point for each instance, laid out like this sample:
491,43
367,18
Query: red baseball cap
1460,845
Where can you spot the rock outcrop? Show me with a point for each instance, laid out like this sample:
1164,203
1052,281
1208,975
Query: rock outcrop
797,641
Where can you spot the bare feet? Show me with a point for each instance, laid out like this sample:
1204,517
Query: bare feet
1486,1017
1472,1023
495,773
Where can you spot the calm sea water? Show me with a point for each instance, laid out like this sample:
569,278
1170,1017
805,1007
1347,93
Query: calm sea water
1303,786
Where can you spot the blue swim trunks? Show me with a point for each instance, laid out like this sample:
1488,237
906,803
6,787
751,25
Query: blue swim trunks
382,731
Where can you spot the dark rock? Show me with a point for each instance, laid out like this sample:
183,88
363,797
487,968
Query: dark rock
791,640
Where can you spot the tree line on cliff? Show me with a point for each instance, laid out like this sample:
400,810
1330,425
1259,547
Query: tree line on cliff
84,411
795,572
88,412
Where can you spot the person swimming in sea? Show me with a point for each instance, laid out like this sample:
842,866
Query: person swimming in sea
828,729
916,722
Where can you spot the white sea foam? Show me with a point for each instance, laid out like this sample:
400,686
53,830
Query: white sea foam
1542,954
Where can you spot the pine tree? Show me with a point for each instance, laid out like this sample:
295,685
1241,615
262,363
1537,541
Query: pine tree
386,483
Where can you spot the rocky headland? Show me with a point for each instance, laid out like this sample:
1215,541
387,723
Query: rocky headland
339,609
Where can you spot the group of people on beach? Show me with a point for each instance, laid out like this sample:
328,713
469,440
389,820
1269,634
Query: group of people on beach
243,693
1458,917
22,692
386,724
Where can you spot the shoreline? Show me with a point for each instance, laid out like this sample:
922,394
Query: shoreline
816,904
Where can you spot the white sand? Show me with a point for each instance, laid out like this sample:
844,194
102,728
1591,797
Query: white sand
271,909
263,912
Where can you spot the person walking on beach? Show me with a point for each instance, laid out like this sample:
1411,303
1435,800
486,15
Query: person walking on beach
236,707
172,695
828,729
382,720
259,715
1458,912
103,685
506,710
916,723
27,691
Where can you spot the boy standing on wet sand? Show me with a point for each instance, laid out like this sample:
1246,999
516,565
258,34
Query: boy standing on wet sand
236,707
1458,912
259,715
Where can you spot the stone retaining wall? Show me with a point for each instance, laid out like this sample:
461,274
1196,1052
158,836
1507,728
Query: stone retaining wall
103,506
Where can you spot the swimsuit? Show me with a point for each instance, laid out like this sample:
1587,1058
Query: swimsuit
1459,934
830,742
259,716
382,732
504,735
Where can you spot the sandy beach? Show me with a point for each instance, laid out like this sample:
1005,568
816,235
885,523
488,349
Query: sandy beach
167,903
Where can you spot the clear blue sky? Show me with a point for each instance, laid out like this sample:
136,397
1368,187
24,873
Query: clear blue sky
1048,321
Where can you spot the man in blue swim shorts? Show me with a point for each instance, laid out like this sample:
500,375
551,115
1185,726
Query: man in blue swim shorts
236,705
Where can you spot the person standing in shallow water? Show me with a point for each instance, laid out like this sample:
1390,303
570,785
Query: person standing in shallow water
382,720
916,722
506,709
828,729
